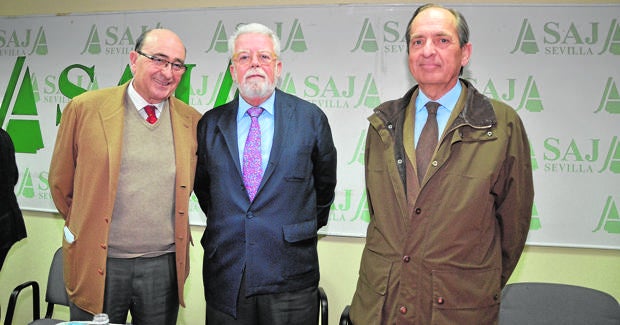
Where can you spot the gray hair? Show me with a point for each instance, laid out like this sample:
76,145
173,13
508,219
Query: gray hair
257,29
461,24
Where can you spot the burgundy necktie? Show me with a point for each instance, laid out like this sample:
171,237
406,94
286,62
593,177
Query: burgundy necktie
150,111
428,140
252,171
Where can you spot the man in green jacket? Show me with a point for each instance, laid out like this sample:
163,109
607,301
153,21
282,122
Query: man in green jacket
446,231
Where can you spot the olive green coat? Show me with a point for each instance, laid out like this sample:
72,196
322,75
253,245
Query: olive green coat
440,254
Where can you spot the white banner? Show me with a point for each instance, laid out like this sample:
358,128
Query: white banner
557,65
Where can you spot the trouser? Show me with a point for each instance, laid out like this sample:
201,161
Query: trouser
144,286
288,308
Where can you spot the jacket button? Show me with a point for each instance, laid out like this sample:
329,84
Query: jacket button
402,309
440,301
434,163
418,210
399,161
406,258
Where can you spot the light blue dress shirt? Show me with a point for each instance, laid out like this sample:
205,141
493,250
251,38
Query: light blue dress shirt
447,102
266,122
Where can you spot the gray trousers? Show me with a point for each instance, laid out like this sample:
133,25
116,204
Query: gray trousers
288,308
146,287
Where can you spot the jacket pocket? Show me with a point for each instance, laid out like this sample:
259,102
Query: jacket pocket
299,250
466,296
299,163
299,231
370,295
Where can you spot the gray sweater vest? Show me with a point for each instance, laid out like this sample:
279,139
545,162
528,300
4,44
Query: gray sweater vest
143,217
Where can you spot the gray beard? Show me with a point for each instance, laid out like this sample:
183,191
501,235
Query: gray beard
256,90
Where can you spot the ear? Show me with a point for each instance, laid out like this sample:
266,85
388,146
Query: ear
231,68
277,70
465,54
133,58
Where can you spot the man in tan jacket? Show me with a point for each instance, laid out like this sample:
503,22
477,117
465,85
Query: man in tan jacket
121,175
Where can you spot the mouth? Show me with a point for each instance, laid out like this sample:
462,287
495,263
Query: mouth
163,83
429,66
254,75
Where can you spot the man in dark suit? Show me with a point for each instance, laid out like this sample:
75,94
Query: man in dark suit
263,210
12,227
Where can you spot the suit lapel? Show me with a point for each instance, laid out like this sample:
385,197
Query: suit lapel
182,137
283,113
227,127
113,122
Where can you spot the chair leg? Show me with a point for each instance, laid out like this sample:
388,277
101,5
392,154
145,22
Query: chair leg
344,317
323,305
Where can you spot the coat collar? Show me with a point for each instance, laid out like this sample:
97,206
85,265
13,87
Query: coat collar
476,112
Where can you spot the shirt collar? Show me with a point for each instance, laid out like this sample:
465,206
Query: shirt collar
448,100
140,102
267,105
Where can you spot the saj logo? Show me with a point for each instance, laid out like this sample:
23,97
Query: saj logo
33,185
572,156
358,154
610,101
292,37
349,207
23,42
391,39
212,93
334,93
568,38
610,219
48,91
518,93
113,40
20,110
535,223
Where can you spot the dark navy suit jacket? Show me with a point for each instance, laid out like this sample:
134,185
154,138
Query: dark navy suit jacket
274,237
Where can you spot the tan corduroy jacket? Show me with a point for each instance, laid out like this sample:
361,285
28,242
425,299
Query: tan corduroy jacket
83,177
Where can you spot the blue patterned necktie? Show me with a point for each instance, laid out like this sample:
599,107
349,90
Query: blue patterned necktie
252,172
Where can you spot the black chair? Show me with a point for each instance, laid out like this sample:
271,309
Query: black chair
323,306
550,303
344,317
55,294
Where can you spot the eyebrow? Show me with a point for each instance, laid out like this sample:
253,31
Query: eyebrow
164,56
441,33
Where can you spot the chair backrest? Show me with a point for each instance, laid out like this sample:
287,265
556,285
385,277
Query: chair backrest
550,303
56,292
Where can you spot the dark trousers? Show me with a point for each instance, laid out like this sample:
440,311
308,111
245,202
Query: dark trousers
146,287
288,308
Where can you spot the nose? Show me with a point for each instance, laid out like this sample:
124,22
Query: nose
167,69
428,49
254,62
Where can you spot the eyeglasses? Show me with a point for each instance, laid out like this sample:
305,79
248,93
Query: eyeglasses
245,58
163,63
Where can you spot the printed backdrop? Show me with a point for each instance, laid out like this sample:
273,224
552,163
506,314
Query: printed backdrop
558,66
